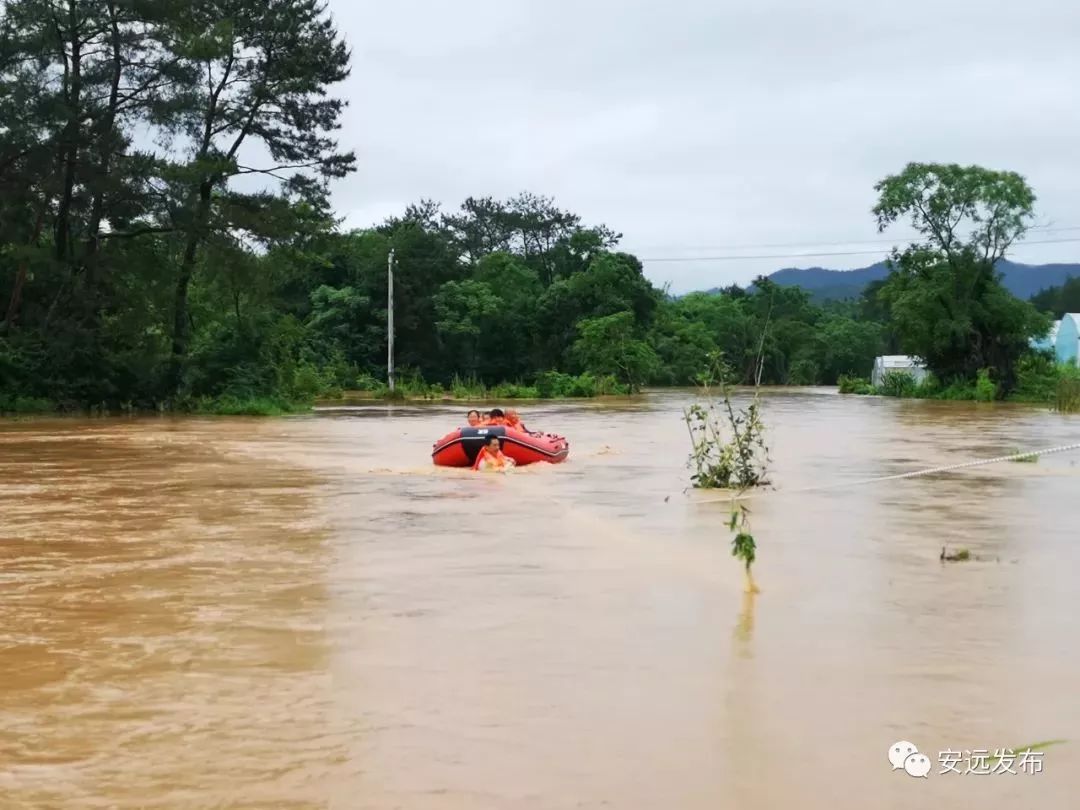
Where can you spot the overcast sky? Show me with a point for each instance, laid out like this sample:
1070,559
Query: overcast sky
700,128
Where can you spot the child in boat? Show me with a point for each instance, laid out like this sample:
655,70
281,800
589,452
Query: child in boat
491,457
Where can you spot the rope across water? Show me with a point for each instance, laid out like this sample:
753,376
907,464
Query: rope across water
914,474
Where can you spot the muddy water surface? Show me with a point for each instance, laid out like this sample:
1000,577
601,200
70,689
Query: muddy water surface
304,613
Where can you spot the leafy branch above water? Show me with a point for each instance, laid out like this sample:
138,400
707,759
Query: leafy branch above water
728,448
728,452
743,546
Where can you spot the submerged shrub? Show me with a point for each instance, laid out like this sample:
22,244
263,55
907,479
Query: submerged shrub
1037,377
854,385
20,405
1068,390
985,389
728,452
727,445
898,384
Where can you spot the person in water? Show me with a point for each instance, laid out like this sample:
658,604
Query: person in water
491,457
473,418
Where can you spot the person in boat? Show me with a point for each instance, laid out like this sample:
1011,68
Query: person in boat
496,417
473,418
513,420
491,457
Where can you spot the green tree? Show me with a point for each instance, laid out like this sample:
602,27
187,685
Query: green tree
724,316
612,283
682,346
944,293
607,345
1056,301
548,239
509,334
423,262
259,74
463,310
848,347
75,76
870,307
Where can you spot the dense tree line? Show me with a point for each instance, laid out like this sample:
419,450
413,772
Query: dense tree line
131,132
1056,301
166,239
166,236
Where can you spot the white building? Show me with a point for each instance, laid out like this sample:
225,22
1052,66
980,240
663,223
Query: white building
1067,339
897,362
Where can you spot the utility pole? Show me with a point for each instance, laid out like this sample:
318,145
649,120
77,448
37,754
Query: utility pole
390,320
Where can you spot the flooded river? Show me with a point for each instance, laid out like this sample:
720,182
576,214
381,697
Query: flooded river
305,613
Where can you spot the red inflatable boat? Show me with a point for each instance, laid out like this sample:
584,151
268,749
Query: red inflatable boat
460,448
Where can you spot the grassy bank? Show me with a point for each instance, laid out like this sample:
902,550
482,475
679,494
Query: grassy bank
218,406
550,385
1039,381
25,406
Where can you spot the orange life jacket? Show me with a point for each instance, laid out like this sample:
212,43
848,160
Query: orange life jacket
497,458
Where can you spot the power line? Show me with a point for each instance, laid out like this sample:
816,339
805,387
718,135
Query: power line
835,243
825,254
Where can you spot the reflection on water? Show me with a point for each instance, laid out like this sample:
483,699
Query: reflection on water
744,627
305,613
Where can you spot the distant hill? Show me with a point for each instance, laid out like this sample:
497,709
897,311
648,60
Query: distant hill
826,285
1022,280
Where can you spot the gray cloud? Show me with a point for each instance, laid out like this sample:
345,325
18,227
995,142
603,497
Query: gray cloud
694,124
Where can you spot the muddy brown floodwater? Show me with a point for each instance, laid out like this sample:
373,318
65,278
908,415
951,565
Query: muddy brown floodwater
305,613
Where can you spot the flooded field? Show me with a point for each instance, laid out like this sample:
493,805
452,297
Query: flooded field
305,613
